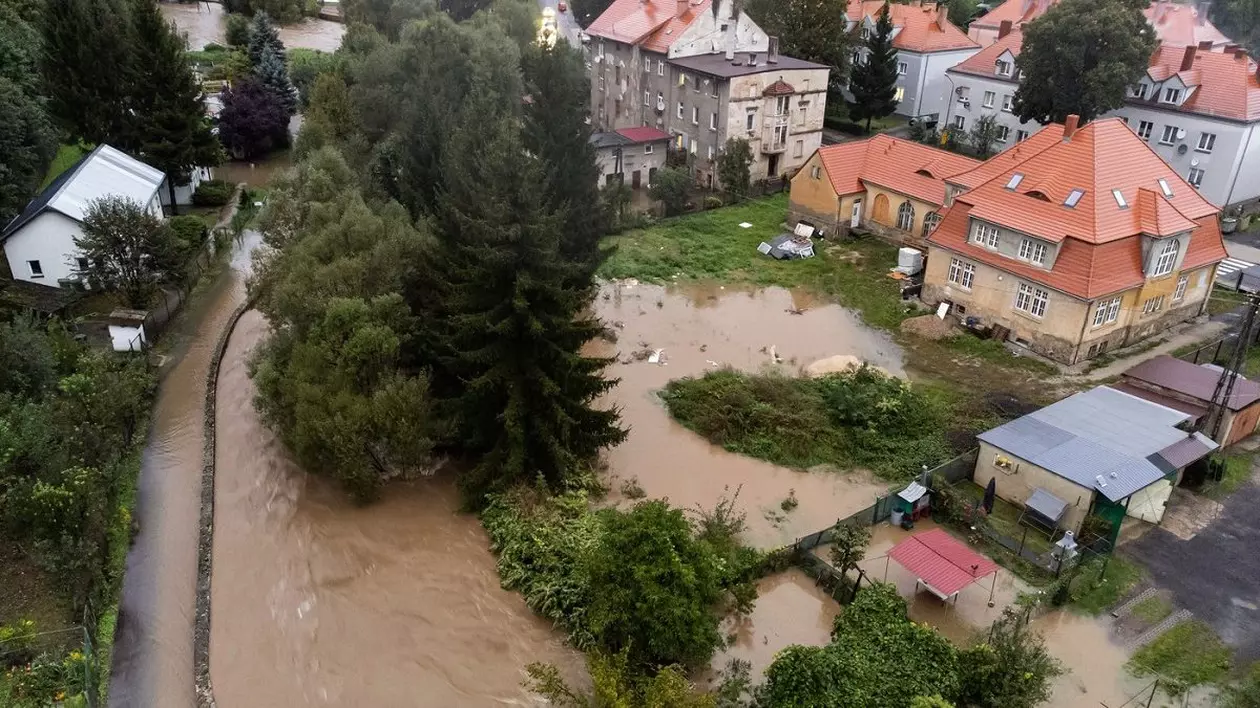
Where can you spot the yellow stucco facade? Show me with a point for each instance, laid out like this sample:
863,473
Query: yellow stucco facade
1016,478
814,199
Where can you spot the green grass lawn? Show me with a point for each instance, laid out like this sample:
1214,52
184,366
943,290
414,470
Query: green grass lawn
66,156
1190,654
711,245
1095,591
1237,472
1152,610
1005,520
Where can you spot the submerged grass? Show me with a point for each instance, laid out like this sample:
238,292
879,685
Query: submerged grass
1102,582
1190,654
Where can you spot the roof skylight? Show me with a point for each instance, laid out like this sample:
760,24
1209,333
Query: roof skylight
1015,180
1163,185
1074,198
1120,202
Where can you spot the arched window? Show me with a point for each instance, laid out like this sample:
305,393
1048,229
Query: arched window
905,216
1167,257
929,222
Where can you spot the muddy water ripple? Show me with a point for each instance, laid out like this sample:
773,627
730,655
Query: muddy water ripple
204,22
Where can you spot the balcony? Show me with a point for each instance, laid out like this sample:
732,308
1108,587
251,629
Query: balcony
774,139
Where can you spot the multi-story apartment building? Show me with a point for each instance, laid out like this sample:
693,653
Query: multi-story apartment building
704,73
927,45
1075,242
1175,23
1199,108
985,84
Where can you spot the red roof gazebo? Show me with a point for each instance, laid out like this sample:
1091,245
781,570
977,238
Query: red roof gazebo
942,563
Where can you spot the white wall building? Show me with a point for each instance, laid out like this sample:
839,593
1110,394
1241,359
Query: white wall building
39,242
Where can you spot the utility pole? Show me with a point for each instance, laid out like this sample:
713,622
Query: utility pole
1215,416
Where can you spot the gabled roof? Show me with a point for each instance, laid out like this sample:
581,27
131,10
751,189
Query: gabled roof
1192,380
779,88
1157,217
1100,157
1175,23
608,140
643,134
1103,439
982,63
104,172
920,31
1227,85
903,166
652,24
1007,160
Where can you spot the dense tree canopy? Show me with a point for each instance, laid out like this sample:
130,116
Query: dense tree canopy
88,68
733,167
274,76
27,144
1080,58
1239,19
873,81
253,121
20,45
814,30
128,249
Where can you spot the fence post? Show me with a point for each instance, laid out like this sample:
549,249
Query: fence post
1021,541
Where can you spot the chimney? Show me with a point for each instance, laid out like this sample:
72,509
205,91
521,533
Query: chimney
1069,127
1206,44
730,26
1229,48
683,6
1004,28
1201,12
1187,58
772,56
942,18
752,58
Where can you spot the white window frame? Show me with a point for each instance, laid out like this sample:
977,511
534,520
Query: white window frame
1207,142
1195,177
1152,305
1138,91
647,149
647,98
1171,95
900,94
1166,259
1032,300
750,121
1107,311
989,98
799,149
1180,293
695,115
1008,102
902,68
1002,68
681,109
1004,133
906,209
1021,136
1033,251
1169,135
988,236
961,273
1145,128
35,267
960,122
660,67
710,153
712,121
815,172
647,65
930,221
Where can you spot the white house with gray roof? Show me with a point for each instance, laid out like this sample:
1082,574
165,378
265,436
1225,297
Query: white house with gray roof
39,242
1099,450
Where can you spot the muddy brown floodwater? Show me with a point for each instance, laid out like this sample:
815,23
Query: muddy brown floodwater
317,602
700,327
203,23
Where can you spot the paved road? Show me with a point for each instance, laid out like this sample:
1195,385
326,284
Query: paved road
1216,574
564,20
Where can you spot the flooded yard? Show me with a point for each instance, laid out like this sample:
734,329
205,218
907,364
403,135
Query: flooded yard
702,327
204,22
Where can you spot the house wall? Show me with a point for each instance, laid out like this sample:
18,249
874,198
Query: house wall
974,88
1016,486
49,239
934,90
707,34
814,199
804,134
1231,170
633,158
1240,424
886,225
183,194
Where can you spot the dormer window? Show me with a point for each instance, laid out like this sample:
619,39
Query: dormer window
1167,258
866,32
1002,68
1171,95
1138,91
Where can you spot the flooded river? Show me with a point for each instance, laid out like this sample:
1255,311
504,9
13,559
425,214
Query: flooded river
317,602
699,328
203,23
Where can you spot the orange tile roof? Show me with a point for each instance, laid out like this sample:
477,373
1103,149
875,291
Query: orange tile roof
1101,241
983,62
652,24
1102,156
1005,161
1227,85
902,166
1174,23
919,30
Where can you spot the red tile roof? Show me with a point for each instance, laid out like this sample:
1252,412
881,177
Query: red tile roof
942,561
1174,23
902,166
1227,86
643,134
779,88
652,24
1101,240
983,62
919,29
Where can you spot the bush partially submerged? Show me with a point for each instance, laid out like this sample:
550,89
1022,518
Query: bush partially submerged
857,418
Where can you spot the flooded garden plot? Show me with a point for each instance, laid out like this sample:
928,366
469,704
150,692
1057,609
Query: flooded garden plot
205,23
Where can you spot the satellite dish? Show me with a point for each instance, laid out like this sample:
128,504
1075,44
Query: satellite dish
1194,163
1181,133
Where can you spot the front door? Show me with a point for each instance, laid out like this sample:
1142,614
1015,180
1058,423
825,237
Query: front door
773,170
856,217
635,179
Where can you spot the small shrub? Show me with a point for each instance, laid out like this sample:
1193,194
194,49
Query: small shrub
213,192
789,503
214,47
631,489
237,31
713,203
17,642
189,230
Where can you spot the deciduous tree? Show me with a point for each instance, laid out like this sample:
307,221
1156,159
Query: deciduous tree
733,167
19,49
127,249
848,545
616,683
253,122
670,187
1007,667
27,144
1080,58
1239,19
168,124
873,81
814,30
984,134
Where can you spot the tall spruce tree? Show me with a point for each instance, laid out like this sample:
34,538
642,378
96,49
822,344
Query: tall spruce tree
27,144
873,81
557,131
88,68
517,322
169,127
263,34
273,75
